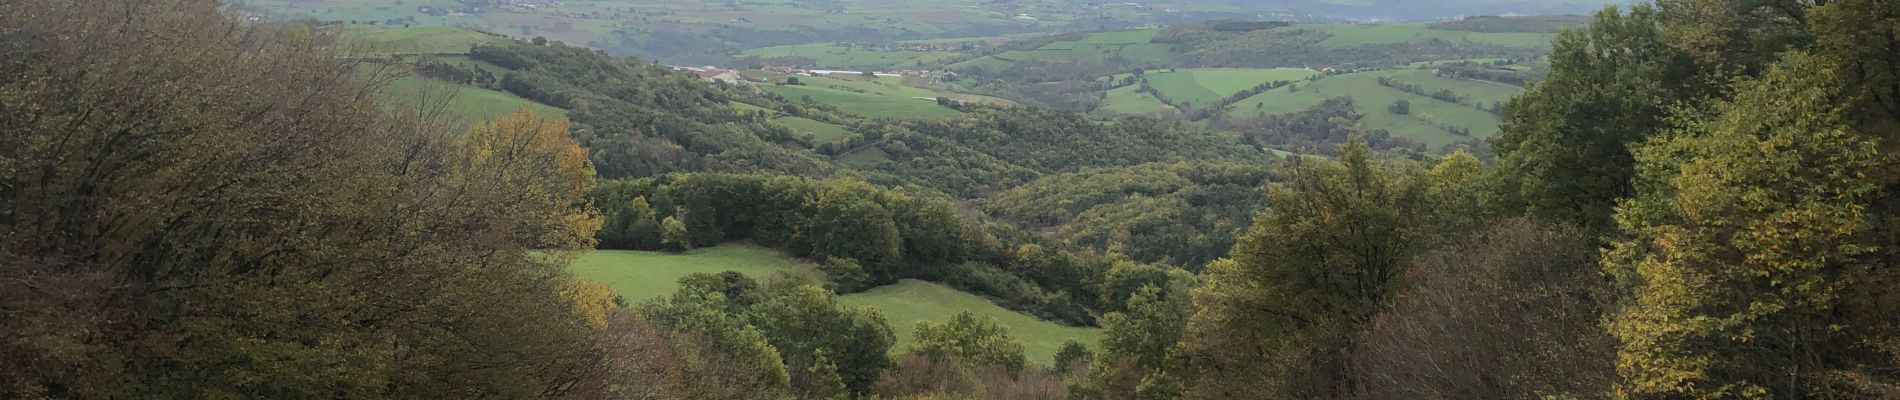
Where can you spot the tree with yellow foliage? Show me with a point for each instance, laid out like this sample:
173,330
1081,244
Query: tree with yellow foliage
1760,262
593,301
527,151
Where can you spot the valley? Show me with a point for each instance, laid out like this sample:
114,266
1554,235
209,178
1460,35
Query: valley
949,200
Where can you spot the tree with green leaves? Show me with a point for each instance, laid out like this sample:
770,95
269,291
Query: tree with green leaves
821,381
810,329
846,221
673,235
970,340
1140,356
642,225
721,356
198,206
1564,144
1282,311
846,273
1758,259
1072,354
1125,279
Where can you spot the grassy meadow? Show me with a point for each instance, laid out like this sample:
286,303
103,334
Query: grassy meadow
1130,44
911,301
821,132
1351,35
1209,85
1126,100
413,40
867,104
643,275
470,103
1371,99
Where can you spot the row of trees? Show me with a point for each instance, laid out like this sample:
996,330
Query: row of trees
861,235
1445,95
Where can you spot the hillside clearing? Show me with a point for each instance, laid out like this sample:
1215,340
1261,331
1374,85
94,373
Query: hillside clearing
865,104
414,40
911,301
471,103
1424,124
643,275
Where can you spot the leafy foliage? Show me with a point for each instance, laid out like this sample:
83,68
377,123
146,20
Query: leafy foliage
975,341
1307,274
638,119
1764,223
1564,149
197,207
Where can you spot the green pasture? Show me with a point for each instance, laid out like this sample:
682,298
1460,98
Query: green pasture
642,275
1372,100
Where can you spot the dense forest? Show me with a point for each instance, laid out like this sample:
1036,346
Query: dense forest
1697,200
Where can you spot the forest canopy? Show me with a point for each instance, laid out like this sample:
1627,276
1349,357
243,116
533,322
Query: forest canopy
1694,199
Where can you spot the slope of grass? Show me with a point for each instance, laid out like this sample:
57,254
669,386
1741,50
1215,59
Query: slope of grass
471,103
415,39
1132,45
1480,92
1350,35
1207,85
821,132
1125,100
986,63
867,104
495,70
642,275
909,302
867,158
1122,37
1423,124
